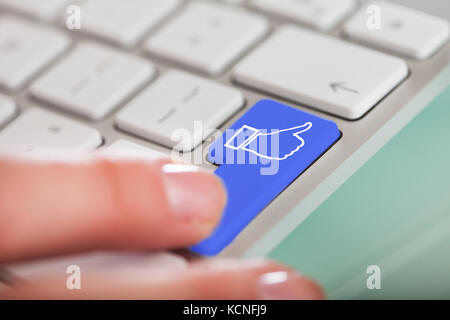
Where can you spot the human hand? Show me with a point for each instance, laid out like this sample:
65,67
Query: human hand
52,208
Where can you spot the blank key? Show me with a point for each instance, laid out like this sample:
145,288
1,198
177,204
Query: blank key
93,80
26,48
124,22
403,30
179,110
319,14
208,36
321,72
37,130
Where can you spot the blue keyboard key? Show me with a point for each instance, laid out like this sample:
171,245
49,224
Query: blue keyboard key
259,156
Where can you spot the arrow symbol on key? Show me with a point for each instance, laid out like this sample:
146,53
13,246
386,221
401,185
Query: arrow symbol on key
336,86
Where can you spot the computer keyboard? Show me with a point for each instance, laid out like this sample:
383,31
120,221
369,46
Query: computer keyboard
138,70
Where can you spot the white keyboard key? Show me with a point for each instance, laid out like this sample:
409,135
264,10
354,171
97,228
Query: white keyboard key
7,109
25,48
208,36
179,101
322,72
93,80
320,14
124,22
43,9
133,149
42,130
403,30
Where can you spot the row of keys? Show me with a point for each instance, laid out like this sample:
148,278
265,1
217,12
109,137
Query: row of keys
205,36
210,36
328,74
342,83
197,29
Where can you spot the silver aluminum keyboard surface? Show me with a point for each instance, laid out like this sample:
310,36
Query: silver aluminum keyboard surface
355,133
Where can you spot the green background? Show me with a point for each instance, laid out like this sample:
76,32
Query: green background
394,212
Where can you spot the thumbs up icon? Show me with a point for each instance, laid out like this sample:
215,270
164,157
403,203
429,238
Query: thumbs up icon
283,143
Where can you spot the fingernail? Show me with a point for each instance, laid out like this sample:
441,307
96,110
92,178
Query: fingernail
193,194
287,285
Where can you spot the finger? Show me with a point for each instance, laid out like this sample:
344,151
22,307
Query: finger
231,279
101,203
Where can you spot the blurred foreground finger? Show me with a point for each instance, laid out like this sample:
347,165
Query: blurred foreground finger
49,208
